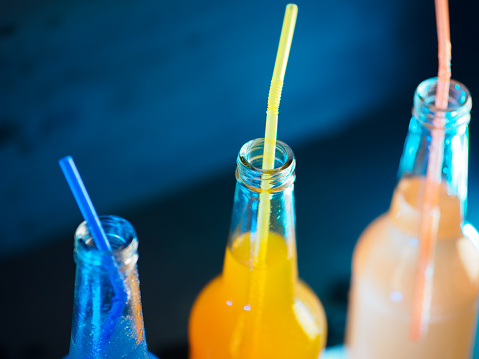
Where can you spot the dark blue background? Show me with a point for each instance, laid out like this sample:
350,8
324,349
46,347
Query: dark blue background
154,99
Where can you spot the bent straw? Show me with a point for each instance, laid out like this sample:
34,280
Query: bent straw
88,212
246,338
274,98
430,208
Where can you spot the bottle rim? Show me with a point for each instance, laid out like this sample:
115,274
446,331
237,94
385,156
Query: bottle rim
458,109
249,171
121,235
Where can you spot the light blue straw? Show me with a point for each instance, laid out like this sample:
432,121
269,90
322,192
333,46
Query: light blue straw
101,241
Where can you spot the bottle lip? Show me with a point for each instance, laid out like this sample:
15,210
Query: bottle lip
457,112
120,234
249,162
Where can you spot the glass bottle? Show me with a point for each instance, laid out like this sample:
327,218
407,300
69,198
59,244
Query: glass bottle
95,299
259,309
386,256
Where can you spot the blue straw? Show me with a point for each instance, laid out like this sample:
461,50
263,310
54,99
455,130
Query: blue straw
99,237
84,203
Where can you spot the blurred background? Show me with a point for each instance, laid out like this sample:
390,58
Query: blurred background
154,98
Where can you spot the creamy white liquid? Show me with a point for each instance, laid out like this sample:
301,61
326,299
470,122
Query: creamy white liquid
384,270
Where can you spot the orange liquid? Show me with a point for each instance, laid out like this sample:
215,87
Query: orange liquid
252,313
384,269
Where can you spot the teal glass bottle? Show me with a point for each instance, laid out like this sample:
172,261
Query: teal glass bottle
105,324
386,257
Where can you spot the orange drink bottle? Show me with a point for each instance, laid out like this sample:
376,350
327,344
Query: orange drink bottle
259,310
386,256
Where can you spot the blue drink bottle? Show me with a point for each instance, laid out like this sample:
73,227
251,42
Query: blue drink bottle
107,323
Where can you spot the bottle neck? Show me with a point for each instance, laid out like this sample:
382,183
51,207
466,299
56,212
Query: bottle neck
258,192
451,126
107,314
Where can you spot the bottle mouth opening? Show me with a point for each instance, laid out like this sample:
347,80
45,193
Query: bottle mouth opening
120,234
458,108
250,163
251,156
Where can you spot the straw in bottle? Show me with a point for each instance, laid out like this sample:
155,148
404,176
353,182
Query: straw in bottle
274,98
430,206
100,239
245,341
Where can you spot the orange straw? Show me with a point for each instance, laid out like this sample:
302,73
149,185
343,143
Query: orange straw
430,209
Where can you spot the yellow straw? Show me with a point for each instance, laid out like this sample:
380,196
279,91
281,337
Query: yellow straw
274,97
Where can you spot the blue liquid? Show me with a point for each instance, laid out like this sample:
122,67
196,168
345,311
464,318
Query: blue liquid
136,354
123,344
132,355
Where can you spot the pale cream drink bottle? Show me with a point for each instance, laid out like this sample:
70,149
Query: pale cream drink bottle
386,256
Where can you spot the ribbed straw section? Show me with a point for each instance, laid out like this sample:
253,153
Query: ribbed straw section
274,96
